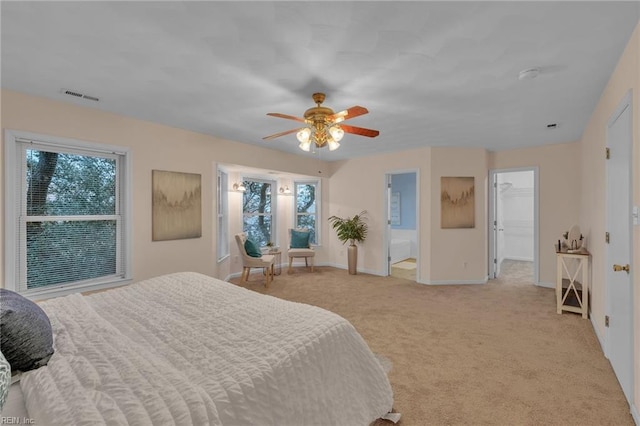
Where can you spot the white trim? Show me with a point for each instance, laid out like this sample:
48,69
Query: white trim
13,159
601,338
454,282
546,285
635,414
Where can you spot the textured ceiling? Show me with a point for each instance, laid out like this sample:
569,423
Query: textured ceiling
430,73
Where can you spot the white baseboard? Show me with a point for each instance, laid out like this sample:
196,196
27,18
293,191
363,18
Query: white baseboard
603,346
547,285
635,415
454,282
360,270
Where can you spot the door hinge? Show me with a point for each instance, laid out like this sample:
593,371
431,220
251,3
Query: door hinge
608,155
389,185
495,184
495,223
606,320
389,259
606,237
495,261
389,222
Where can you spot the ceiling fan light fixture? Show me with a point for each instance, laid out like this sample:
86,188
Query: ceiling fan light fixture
305,146
336,133
322,128
303,136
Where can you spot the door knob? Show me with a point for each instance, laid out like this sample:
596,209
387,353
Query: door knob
618,268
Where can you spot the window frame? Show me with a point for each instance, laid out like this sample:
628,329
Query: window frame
15,188
318,213
274,206
222,209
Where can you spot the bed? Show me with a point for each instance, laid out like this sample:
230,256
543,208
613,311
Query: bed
188,349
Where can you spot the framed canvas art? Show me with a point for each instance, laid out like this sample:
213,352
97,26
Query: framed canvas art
176,205
457,198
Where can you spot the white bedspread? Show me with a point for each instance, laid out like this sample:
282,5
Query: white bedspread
189,349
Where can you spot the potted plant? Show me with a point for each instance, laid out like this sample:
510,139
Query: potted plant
353,229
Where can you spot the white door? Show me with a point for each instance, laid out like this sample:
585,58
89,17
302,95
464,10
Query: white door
619,217
497,225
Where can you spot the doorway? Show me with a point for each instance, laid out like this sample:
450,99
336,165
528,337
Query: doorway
619,222
402,224
514,225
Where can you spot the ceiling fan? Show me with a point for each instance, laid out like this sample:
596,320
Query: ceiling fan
322,125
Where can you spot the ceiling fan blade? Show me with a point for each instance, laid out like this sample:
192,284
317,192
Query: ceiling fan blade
277,135
347,114
360,131
288,117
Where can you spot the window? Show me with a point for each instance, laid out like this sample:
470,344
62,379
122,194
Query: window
69,224
223,211
308,208
258,211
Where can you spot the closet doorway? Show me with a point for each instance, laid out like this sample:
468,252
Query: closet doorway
402,234
514,225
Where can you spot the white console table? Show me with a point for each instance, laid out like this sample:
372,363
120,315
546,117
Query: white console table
572,281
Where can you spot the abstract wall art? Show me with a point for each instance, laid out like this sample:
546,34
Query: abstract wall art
457,198
176,205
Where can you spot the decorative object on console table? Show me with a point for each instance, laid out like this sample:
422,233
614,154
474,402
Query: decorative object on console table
574,241
572,281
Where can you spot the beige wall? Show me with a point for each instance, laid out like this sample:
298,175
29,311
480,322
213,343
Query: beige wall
459,255
358,185
559,189
592,212
153,146
445,255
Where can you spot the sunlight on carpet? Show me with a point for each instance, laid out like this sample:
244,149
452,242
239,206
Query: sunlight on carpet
404,265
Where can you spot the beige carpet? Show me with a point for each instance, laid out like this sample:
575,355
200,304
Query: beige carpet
494,354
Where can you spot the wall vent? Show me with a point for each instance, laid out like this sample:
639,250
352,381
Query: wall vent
77,94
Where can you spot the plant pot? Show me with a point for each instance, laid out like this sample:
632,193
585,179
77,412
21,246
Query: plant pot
352,253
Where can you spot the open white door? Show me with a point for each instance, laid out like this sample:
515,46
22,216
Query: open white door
619,221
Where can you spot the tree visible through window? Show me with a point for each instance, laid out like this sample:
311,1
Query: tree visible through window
66,227
258,208
307,208
71,221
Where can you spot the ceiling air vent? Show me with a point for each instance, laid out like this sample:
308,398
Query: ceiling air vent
79,95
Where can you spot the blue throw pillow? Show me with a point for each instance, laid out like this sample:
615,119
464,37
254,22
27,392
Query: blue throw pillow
252,249
26,338
300,239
